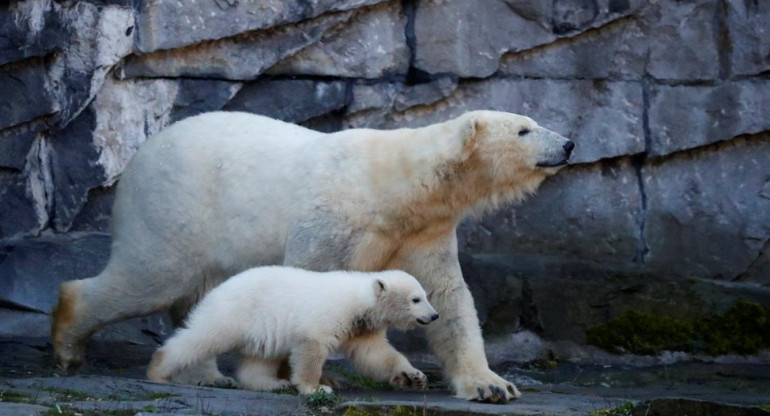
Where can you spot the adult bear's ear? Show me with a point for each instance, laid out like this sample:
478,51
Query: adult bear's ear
380,287
469,132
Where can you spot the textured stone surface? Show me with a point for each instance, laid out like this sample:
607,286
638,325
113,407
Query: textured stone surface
616,50
196,96
162,24
101,37
669,41
684,117
372,45
241,57
468,37
682,40
29,29
568,217
749,36
14,147
289,100
126,114
603,118
20,212
23,98
33,270
708,214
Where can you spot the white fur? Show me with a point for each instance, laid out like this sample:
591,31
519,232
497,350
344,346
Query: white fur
218,193
270,314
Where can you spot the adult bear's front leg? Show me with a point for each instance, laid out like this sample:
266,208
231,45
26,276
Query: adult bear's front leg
456,337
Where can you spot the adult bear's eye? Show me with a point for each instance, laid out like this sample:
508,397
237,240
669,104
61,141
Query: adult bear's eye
524,132
415,300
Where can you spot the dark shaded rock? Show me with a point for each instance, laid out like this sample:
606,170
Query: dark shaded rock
19,213
14,147
24,323
560,298
29,29
569,15
74,167
33,269
241,57
22,409
684,117
162,24
749,39
199,96
498,296
423,94
581,213
668,407
24,97
327,123
699,222
95,215
467,38
289,100
371,45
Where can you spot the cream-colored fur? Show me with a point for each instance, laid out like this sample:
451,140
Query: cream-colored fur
271,314
218,193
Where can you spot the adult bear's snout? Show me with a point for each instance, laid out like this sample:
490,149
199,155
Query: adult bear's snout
568,147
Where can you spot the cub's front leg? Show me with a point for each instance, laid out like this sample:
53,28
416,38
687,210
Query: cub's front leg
373,356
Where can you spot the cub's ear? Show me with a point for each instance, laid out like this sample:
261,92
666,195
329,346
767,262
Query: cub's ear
380,287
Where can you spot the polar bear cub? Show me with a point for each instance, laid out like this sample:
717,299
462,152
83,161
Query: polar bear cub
273,314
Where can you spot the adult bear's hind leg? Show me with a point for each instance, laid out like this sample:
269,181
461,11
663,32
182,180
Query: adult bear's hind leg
87,305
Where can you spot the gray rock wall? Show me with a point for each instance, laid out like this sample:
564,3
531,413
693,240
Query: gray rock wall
666,208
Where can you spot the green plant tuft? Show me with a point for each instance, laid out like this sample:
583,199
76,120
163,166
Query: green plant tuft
322,399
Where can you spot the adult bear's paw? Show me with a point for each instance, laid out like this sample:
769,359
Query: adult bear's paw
485,386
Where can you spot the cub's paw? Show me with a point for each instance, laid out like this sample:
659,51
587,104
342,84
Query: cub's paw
221,383
413,379
485,386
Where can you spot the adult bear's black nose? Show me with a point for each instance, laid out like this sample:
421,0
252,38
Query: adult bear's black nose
568,147
434,317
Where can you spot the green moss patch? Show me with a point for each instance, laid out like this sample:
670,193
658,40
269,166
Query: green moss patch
360,382
743,329
10,396
624,409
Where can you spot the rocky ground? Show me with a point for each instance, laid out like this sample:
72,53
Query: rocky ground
112,383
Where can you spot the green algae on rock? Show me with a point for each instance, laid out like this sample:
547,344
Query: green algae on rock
743,329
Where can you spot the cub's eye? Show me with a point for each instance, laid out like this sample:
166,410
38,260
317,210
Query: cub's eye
415,300
524,132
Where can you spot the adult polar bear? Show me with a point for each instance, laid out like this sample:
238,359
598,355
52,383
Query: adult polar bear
218,193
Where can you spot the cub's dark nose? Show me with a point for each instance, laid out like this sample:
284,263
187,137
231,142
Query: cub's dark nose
434,317
568,147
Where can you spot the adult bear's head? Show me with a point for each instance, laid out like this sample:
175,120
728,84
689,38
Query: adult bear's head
506,156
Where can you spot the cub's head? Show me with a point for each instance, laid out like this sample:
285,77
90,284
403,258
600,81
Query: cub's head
401,301
512,152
